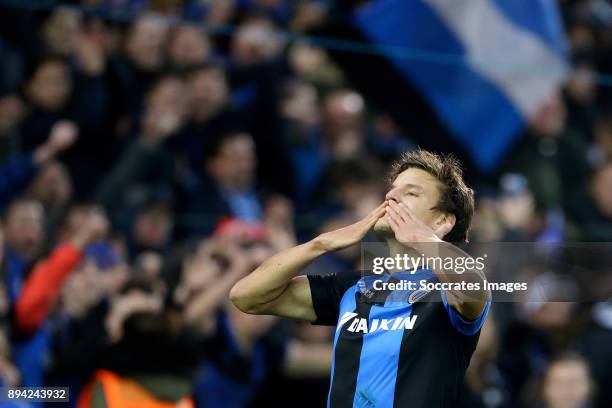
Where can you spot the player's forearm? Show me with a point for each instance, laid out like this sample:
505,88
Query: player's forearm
253,293
446,251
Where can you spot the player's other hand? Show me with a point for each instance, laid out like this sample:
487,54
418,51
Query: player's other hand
409,229
351,234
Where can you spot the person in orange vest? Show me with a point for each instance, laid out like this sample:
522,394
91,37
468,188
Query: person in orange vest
149,360
110,390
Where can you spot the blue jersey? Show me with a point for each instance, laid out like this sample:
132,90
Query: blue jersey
393,348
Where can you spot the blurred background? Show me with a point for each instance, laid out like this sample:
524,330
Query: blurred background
153,152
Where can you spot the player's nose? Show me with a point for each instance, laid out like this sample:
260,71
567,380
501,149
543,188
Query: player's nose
393,194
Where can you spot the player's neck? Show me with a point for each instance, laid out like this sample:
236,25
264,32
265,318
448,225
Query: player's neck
395,248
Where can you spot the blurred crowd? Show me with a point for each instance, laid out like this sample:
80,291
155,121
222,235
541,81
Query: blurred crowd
154,152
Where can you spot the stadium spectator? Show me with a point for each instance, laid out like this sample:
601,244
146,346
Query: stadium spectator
232,188
33,294
188,46
342,123
567,383
145,165
24,237
592,209
21,169
61,32
211,110
144,44
152,229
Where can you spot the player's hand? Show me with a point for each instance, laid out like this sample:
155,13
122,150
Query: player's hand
351,234
408,229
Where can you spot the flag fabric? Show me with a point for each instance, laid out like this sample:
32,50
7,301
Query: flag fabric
484,66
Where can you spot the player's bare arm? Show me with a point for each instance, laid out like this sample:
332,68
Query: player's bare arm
275,287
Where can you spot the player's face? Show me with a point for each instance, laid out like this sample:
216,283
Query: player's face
420,191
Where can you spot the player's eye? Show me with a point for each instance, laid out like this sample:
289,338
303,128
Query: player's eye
412,194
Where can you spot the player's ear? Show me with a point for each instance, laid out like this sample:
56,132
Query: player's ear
444,224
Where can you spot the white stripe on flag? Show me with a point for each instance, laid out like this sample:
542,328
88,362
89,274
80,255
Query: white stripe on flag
522,65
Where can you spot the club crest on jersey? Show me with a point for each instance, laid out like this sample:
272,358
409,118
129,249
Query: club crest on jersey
361,325
417,295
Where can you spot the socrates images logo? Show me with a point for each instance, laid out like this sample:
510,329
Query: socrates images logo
361,325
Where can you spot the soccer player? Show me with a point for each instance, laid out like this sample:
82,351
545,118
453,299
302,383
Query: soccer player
391,348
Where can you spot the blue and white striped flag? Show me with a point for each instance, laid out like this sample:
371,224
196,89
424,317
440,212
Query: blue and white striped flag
484,66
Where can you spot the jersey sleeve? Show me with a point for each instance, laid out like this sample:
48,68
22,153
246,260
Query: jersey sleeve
327,291
460,323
